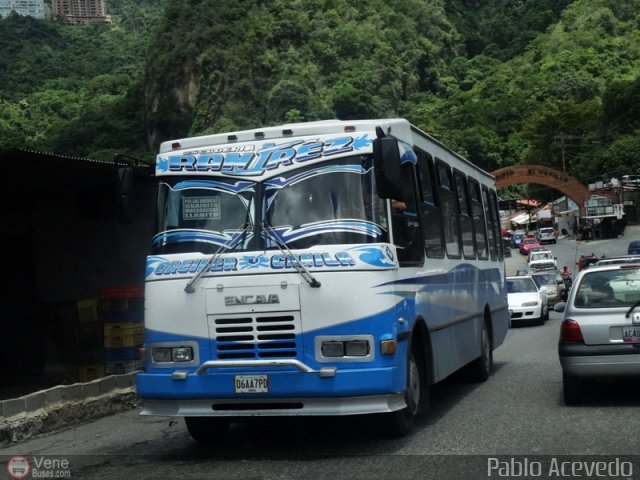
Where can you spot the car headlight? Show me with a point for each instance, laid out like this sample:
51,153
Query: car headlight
530,304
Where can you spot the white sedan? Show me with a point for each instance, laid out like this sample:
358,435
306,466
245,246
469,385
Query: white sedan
527,302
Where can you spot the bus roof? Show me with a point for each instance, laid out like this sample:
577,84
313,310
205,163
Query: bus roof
397,126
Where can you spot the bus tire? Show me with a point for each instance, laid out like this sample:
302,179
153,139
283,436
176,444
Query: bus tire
480,369
416,395
207,429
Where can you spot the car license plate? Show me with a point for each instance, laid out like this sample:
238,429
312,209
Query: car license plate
631,334
252,383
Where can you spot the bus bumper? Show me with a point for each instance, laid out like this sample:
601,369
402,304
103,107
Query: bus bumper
348,392
271,407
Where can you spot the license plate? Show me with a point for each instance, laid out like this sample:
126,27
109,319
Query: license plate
251,383
631,334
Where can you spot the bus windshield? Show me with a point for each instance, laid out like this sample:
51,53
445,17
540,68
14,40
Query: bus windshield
331,204
334,203
204,215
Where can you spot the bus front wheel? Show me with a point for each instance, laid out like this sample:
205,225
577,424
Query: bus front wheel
207,429
416,395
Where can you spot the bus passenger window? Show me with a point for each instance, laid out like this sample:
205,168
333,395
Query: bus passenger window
431,218
449,210
406,225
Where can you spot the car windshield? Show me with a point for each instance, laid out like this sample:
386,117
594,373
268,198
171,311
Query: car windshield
521,285
608,288
544,280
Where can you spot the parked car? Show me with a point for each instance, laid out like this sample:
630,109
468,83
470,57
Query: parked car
506,247
547,282
526,243
527,302
516,238
634,248
564,283
600,332
546,235
542,260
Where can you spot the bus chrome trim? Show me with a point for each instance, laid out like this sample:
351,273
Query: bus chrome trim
324,372
274,407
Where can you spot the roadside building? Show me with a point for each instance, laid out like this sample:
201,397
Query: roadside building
27,8
80,11
67,242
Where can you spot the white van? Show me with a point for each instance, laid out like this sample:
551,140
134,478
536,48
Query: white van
546,235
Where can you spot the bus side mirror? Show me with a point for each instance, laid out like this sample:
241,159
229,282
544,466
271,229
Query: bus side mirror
386,162
124,187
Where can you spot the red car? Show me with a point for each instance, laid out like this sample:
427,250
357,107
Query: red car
527,243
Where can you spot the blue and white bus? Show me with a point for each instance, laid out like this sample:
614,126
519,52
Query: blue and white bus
321,268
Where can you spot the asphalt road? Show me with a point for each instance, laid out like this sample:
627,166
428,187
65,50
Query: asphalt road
518,413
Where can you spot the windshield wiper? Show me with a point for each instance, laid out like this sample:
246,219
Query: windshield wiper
632,309
282,246
189,287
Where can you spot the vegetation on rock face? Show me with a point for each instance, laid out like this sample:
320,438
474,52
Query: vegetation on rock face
553,82
76,90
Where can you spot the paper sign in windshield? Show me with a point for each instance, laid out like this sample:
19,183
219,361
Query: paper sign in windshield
201,208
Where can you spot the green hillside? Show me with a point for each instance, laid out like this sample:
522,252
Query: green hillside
554,82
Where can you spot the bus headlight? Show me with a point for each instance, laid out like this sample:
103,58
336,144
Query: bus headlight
354,348
161,355
333,349
357,348
172,354
182,354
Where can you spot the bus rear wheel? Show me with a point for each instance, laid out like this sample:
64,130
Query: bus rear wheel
480,369
207,429
416,395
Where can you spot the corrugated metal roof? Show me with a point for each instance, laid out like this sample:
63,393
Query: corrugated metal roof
30,171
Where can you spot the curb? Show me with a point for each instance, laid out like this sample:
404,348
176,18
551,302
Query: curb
64,406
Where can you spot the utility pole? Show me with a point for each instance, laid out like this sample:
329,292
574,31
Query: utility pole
564,168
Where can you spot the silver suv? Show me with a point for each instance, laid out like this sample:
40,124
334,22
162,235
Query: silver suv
546,235
600,332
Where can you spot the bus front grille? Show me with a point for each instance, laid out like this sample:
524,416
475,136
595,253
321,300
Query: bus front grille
261,336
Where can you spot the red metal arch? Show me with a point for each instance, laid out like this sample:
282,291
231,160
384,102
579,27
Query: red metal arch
538,174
